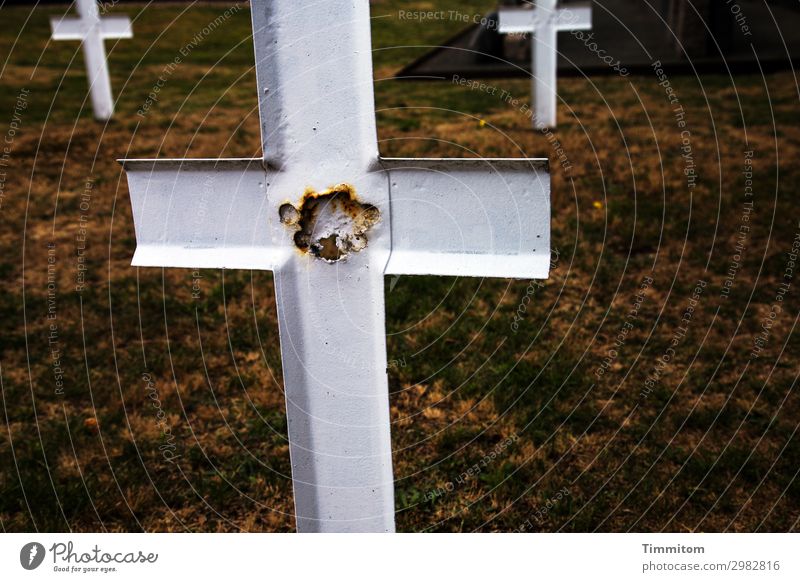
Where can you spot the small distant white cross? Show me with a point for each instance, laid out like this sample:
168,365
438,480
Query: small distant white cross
91,30
544,22
331,218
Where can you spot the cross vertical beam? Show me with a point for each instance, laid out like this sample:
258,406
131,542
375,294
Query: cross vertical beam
91,30
544,23
544,58
94,52
318,127
331,218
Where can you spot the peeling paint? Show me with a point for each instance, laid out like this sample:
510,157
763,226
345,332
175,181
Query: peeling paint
330,224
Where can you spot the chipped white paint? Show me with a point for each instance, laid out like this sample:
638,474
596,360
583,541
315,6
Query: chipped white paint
91,30
544,22
471,217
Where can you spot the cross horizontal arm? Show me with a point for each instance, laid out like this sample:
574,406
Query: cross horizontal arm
116,27
577,16
461,217
470,217
67,28
201,214
76,28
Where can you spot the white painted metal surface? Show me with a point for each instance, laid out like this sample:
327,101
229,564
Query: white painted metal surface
472,217
544,22
91,30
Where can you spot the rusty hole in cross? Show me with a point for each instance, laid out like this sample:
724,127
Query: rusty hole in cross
330,224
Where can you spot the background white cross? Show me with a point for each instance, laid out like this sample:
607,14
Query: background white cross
331,218
544,22
91,30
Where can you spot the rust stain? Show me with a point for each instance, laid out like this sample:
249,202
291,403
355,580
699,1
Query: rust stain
330,224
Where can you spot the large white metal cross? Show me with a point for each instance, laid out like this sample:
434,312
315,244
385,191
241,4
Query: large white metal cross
544,22
92,30
331,218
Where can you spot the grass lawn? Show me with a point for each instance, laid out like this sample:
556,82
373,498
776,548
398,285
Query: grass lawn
615,396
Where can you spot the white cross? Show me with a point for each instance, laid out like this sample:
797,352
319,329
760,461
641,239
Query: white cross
371,216
91,30
544,22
